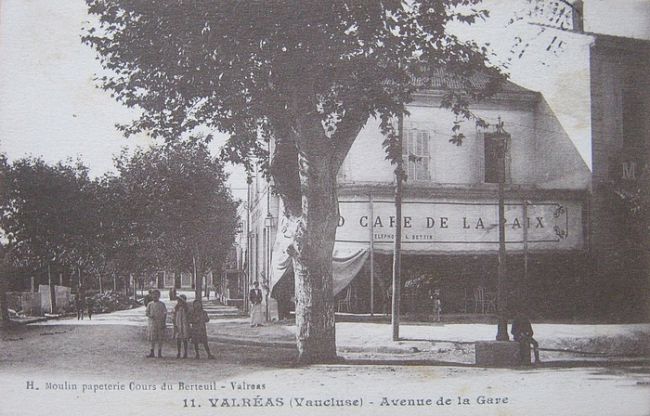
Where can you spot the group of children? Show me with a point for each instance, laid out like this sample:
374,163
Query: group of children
189,324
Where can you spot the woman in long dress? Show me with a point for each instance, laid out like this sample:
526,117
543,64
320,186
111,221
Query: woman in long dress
181,320
157,314
255,298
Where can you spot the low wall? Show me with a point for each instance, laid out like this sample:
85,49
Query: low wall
29,303
62,298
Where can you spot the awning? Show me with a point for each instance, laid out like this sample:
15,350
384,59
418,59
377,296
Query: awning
347,259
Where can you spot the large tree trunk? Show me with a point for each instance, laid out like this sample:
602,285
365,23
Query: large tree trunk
304,167
312,265
312,210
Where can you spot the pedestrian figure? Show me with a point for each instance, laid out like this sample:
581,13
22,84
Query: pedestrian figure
199,334
157,314
255,298
148,297
79,305
522,332
437,305
181,320
89,306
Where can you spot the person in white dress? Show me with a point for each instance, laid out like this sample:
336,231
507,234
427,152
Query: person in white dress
255,298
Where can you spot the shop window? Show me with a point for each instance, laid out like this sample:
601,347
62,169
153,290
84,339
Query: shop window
416,155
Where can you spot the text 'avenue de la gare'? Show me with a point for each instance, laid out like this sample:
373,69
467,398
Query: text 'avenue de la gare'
340,402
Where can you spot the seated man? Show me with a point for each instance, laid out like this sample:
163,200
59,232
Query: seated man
522,332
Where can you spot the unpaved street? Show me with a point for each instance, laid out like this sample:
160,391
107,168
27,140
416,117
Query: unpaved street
101,370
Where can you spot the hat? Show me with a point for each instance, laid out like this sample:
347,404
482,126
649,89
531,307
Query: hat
182,297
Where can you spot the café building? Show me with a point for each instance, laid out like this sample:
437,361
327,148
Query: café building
450,235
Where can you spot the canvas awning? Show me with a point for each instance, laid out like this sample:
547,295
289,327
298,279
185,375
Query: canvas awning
347,260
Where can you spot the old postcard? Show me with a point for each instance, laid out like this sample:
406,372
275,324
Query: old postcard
324,207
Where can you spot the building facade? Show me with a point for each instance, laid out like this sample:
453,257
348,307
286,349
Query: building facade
450,231
620,120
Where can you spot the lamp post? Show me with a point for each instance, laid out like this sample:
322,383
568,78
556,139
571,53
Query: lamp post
249,258
499,146
397,252
268,225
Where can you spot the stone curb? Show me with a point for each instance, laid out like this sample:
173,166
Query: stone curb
251,342
292,345
605,362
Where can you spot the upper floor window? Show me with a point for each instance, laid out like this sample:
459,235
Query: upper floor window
416,155
496,158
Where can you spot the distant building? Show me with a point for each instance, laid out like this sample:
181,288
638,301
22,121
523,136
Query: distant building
231,287
620,120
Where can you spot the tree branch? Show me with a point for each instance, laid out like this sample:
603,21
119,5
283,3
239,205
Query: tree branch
346,132
284,167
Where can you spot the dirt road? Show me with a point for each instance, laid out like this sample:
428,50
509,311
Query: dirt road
102,370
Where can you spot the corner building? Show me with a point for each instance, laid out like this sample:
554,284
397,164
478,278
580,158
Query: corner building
450,232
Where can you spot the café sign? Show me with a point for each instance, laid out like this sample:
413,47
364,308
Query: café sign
457,226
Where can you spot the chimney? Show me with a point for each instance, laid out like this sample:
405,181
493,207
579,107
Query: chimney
577,16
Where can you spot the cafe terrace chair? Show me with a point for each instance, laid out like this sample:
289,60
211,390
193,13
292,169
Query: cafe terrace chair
490,302
484,301
479,306
346,302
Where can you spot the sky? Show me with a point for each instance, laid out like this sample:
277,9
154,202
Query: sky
50,105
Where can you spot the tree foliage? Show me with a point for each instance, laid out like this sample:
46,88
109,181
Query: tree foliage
181,213
246,67
167,205
49,216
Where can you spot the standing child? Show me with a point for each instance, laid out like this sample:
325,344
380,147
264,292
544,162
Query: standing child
181,320
198,318
157,314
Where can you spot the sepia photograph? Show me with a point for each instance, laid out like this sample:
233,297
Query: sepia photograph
324,207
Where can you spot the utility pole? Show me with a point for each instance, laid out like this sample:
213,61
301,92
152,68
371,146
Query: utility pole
500,146
397,252
524,284
372,256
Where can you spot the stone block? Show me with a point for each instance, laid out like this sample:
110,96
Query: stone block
497,354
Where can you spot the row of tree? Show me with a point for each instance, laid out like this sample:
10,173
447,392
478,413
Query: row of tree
167,208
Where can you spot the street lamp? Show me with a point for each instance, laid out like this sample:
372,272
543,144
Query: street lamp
268,225
268,221
498,142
